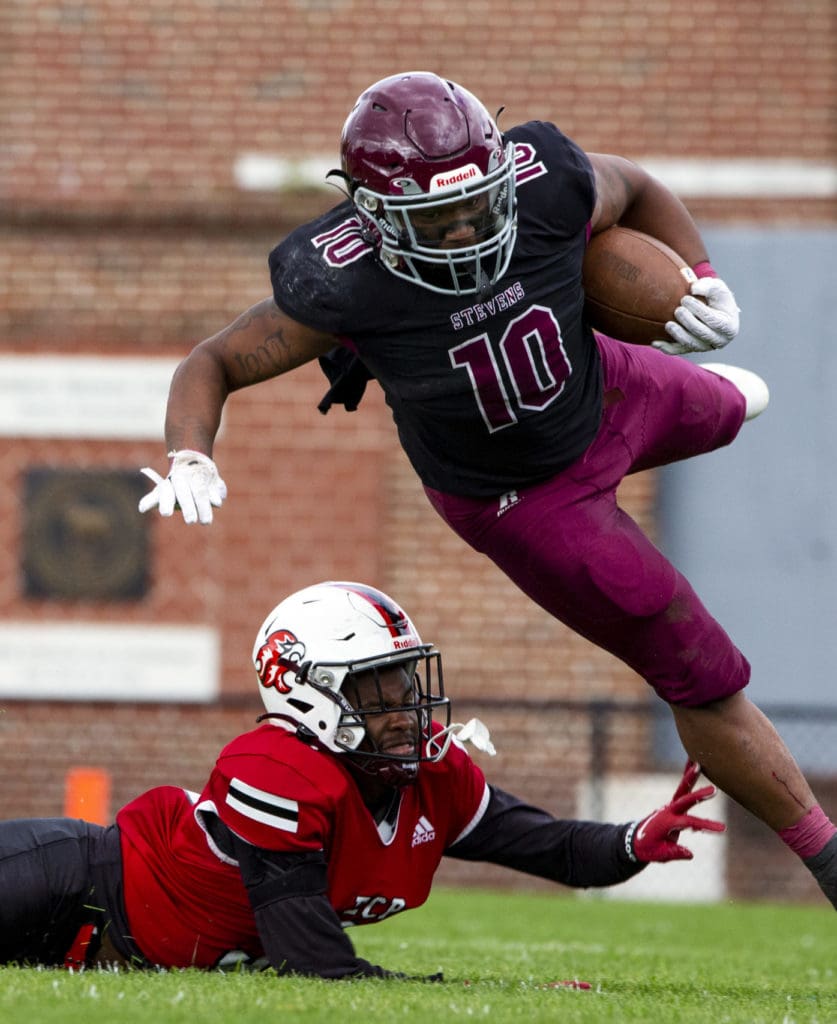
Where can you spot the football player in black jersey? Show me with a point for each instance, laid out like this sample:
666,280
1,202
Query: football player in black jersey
451,274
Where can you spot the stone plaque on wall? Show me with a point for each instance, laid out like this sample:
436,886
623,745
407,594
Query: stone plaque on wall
83,538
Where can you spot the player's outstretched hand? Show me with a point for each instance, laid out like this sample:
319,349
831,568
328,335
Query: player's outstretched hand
705,320
193,485
655,838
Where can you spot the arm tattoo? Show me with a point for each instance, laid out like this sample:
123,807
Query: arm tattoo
268,358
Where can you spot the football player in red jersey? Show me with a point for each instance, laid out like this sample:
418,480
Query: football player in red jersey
335,811
452,274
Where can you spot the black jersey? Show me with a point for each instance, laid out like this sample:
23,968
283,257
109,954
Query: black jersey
490,393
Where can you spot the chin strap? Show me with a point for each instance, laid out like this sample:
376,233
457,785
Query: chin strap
473,731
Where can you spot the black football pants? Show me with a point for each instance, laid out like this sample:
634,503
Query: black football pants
56,875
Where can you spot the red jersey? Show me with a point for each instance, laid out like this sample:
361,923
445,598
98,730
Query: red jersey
186,901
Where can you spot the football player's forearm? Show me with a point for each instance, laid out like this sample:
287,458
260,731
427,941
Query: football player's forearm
193,414
574,853
302,935
242,353
299,929
260,344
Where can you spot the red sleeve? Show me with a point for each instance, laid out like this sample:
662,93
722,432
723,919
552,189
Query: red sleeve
277,799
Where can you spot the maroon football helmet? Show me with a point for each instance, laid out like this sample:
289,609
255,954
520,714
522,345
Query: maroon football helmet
432,178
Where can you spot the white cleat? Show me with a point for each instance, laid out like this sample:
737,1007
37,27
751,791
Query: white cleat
751,386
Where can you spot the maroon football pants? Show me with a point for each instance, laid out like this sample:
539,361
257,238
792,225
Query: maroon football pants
569,546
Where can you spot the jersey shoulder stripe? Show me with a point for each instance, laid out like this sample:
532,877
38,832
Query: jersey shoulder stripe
262,806
477,816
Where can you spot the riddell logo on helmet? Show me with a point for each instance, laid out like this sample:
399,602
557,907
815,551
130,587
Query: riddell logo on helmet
457,177
401,644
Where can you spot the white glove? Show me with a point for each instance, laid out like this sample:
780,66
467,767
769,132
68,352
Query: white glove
702,326
193,485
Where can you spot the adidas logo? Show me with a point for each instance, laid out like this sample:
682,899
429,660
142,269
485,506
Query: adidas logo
423,832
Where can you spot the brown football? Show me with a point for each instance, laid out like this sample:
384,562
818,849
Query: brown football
632,285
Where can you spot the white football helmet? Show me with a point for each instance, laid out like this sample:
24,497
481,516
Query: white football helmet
315,641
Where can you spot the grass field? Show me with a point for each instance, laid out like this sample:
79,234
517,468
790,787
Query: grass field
499,951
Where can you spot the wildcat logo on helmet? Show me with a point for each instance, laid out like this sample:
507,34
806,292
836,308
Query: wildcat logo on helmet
272,660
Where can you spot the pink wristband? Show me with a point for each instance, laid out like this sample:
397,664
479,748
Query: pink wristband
704,269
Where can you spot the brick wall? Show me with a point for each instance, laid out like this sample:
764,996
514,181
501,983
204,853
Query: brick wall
111,103
124,232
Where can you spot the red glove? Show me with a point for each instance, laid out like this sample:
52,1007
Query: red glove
655,837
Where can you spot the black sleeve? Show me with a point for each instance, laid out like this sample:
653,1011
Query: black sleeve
574,853
299,928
